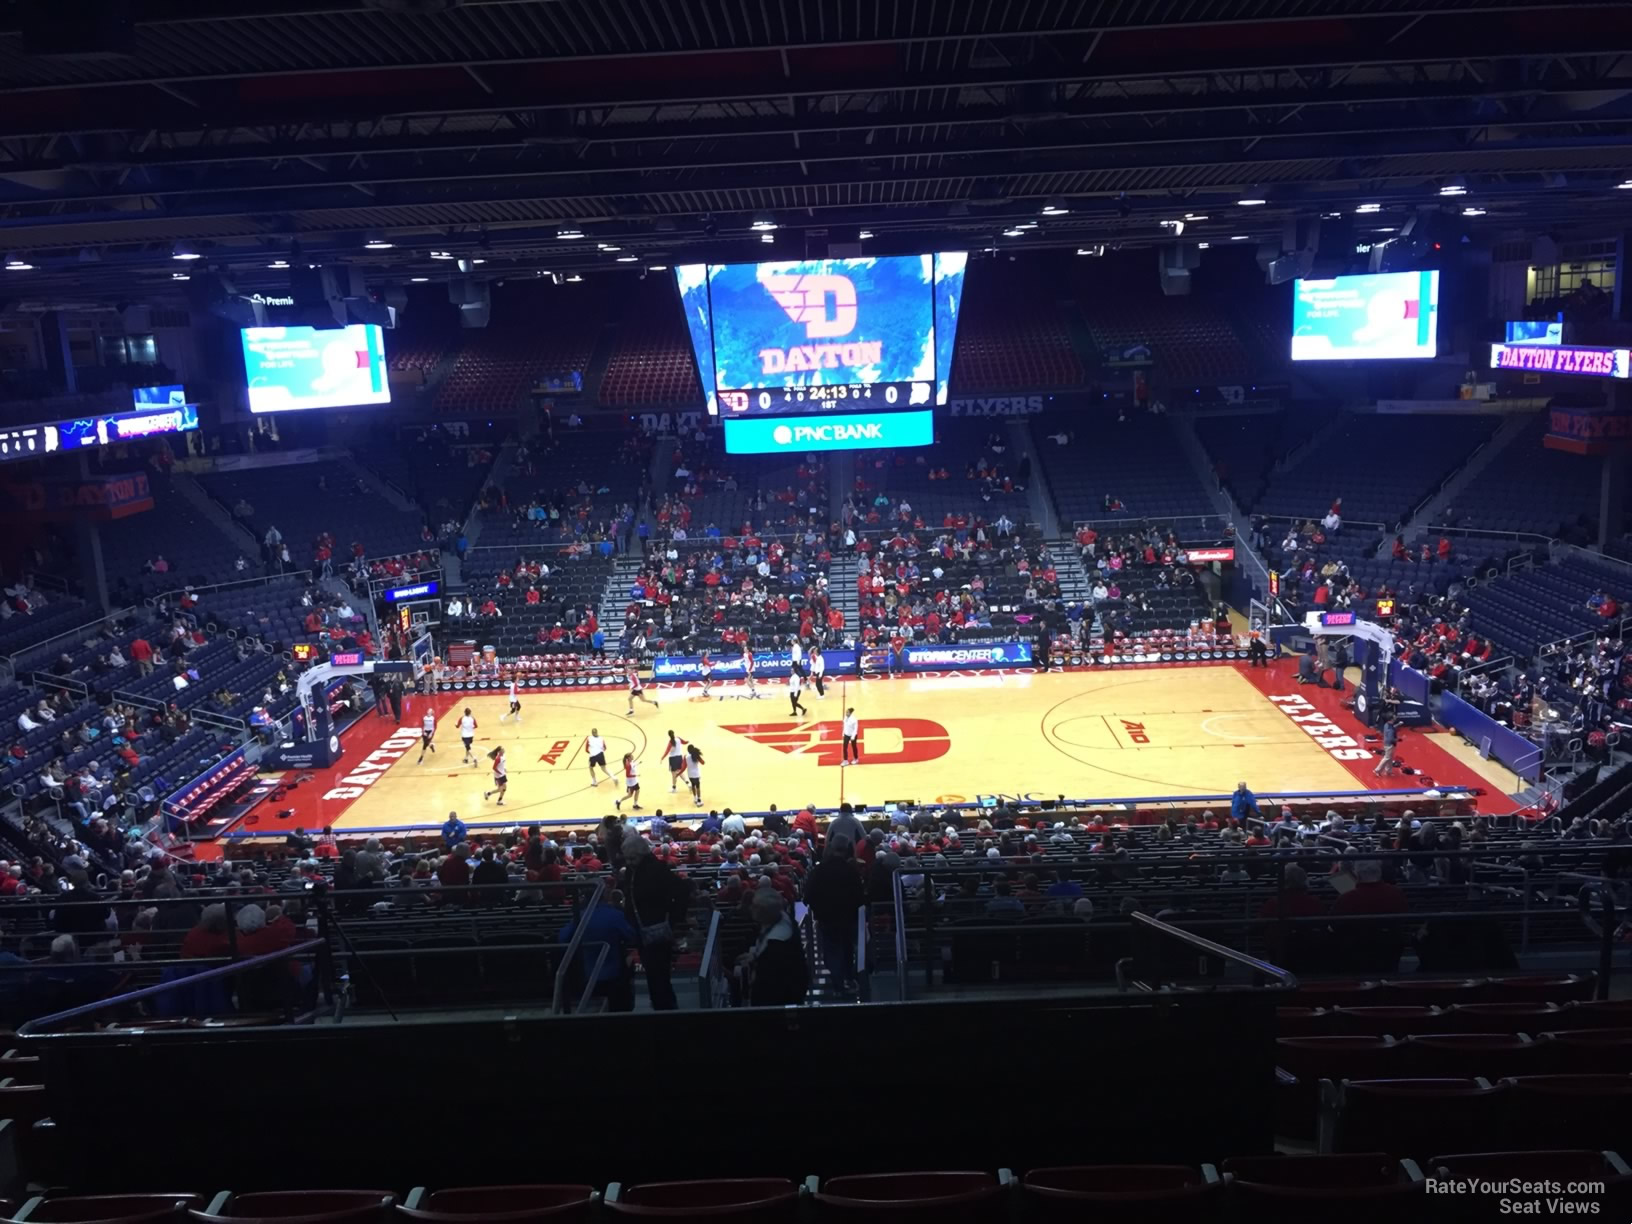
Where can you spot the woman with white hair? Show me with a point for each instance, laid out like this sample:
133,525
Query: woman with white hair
773,970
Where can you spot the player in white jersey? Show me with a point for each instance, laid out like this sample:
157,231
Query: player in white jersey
748,670
694,773
818,668
631,782
707,667
852,738
515,703
595,749
637,691
795,682
427,732
501,775
797,651
467,733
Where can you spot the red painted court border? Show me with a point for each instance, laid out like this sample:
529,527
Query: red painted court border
311,811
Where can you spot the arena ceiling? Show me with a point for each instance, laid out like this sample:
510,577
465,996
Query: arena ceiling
254,131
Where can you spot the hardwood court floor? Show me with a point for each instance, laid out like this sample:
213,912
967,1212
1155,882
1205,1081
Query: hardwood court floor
1110,734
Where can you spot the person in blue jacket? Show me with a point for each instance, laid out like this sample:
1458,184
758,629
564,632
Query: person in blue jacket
453,830
1243,804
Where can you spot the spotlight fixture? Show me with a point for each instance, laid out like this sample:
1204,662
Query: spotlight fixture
1626,186
569,235
1095,251
658,268
1369,208
16,263
278,263
1202,246
378,244
179,276
1454,187
1195,216
1054,208
574,279
863,235
1239,237
419,280
604,246
1473,212
441,254
1176,226
762,224
183,251
1014,233
767,237
628,259
1251,202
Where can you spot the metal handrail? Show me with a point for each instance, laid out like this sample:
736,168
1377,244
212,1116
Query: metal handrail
572,951
861,940
1262,968
78,631
898,896
705,966
259,580
35,1027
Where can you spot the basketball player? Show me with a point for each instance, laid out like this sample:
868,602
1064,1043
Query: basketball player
637,692
795,682
515,703
676,752
501,776
694,773
595,747
852,738
631,782
818,667
748,670
467,732
427,732
796,652
708,674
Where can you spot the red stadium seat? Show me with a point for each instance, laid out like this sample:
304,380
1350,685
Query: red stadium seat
1302,1022
1359,1186
1122,1192
1338,994
1501,1017
1411,1117
300,1207
742,1198
1491,1055
1441,992
110,1209
951,1197
1587,1050
1590,1111
1597,1013
1376,1021
1560,1166
1564,988
500,1204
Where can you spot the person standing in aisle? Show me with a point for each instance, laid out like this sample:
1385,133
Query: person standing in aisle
795,683
852,738
818,667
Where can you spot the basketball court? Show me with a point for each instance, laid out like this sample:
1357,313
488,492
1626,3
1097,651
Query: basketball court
1136,733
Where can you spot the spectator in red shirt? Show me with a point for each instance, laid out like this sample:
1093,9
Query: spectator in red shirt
141,653
1444,548
209,937
454,870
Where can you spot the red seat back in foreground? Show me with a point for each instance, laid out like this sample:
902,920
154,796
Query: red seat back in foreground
1366,1186
110,1209
500,1204
301,1207
947,1198
1122,1192
742,1199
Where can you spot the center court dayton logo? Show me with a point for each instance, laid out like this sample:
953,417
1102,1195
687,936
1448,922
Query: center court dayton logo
884,741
